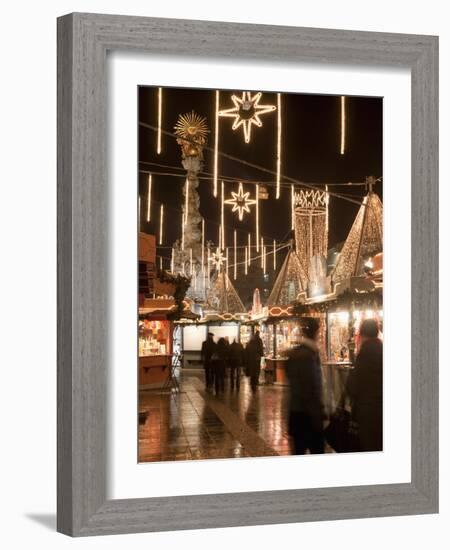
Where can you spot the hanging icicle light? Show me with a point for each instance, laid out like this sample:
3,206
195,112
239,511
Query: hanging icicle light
249,259
274,254
246,261
226,262
216,144
278,145
159,136
220,237
160,263
172,261
265,258
161,223
343,121
222,214
186,201
257,217
149,197
235,256
262,252
208,271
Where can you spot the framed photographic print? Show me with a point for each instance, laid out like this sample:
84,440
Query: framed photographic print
247,274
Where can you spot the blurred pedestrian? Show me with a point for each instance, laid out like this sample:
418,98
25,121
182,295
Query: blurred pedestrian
304,373
208,348
254,351
221,360
365,387
235,363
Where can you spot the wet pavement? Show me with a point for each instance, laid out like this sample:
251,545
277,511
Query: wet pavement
196,424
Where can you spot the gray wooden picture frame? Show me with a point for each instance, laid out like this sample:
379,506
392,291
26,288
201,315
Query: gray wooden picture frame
83,42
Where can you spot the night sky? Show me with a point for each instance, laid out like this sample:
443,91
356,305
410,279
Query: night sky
310,141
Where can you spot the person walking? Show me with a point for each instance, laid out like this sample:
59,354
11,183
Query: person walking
254,352
208,348
221,360
235,363
304,373
365,387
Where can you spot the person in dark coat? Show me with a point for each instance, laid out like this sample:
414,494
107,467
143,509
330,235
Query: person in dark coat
221,357
208,348
304,373
235,363
253,353
365,387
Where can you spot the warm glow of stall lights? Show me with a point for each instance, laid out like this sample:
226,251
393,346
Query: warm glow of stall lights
278,145
234,256
159,136
161,223
257,217
369,263
149,197
343,122
216,144
274,254
186,201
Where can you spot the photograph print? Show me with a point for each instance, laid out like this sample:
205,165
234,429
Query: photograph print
260,274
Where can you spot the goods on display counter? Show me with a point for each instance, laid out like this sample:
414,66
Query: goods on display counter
155,352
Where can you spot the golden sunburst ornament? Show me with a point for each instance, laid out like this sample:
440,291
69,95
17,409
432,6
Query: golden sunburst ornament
246,112
240,202
191,126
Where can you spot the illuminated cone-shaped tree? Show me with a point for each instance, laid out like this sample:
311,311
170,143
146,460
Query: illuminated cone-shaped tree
222,296
364,240
291,280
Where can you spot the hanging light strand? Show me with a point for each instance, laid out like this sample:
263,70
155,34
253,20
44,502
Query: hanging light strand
235,256
149,197
186,202
161,223
249,259
274,254
246,261
343,124
159,133
222,214
278,180
257,217
262,252
216,144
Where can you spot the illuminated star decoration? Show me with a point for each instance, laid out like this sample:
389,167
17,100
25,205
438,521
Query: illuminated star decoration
246,112
217,258
240,201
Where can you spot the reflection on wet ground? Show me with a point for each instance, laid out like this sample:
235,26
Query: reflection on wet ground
195,424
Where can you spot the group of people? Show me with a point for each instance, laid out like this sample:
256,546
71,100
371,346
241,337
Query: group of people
364,389
222,357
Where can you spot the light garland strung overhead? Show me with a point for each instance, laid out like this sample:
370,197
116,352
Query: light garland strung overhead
246,112
278,145
149,197
240,201
159,136
216,143
343,122
161,223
